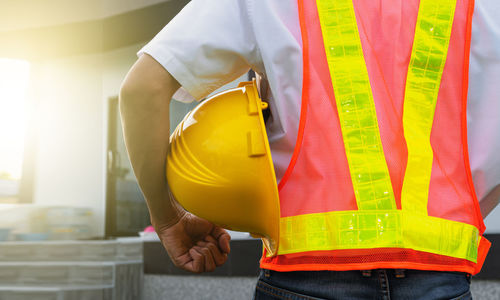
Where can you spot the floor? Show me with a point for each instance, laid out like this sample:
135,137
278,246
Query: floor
197,287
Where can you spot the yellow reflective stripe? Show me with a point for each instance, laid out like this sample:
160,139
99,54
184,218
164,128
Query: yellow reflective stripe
428,57
355,106
378,229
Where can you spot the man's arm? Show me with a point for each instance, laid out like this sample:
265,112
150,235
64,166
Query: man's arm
192,243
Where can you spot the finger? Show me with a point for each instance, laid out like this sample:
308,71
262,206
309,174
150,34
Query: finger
219,257
178,255
223,238
198,263
210,239
182,260
209,260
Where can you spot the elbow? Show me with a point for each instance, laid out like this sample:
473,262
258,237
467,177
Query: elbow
137,94
128,95
147,84
128,98
134,91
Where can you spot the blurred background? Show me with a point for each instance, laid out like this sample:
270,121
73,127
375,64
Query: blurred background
72,217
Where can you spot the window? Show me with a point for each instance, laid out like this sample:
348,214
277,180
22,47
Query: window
14,78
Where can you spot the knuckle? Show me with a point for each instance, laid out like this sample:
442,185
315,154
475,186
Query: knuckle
213,248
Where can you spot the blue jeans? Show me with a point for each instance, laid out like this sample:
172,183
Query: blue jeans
383,284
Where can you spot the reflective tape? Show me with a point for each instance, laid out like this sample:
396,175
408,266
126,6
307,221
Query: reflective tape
378,229
355,106
428,56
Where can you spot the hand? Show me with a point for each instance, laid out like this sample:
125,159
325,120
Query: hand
195,244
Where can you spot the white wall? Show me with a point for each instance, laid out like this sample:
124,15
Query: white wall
492,221
71,96
70,133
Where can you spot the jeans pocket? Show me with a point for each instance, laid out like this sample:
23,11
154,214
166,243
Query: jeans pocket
265,291
465,296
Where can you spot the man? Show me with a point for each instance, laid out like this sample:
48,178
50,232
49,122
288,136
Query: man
211,43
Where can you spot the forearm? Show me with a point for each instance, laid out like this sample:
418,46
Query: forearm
144,106
490,201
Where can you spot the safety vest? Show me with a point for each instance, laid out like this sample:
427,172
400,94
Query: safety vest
380,176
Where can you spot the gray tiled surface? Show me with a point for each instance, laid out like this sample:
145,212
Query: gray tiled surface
158,287
485,289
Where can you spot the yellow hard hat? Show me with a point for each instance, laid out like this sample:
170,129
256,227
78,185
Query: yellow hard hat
219,166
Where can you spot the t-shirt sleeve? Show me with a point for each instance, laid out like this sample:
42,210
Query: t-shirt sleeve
208,44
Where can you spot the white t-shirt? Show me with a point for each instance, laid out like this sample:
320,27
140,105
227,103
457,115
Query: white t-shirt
210,43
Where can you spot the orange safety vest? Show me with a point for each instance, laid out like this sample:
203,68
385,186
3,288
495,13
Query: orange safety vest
380,175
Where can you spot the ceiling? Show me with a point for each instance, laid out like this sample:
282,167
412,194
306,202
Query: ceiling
22,14
35,29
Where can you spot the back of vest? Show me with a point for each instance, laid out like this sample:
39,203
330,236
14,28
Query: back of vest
380,175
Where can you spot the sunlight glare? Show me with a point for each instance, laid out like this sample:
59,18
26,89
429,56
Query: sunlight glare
14,78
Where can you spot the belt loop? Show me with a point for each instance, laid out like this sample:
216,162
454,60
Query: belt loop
399,273
366,273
